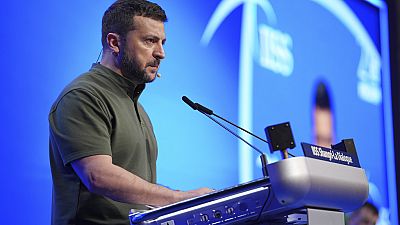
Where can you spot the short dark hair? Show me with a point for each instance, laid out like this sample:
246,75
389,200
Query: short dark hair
322,96
372,207
118,18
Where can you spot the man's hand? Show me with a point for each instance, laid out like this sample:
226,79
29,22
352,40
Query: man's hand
182,195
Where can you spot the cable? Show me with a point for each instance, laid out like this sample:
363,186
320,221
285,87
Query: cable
265,203
98,58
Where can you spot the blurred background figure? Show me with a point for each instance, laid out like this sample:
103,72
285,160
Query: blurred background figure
366,215
323,127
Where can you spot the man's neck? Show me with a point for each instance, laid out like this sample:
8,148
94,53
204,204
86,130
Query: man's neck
108,61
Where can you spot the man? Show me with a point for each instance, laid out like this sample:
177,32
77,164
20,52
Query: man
368,214
322,118
102,146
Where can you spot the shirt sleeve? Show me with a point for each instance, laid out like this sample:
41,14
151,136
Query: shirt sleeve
80,126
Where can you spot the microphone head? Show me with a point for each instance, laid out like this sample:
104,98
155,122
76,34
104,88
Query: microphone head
190,103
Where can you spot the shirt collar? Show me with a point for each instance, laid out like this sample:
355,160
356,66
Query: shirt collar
133,90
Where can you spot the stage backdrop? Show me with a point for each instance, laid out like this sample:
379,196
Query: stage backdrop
256,63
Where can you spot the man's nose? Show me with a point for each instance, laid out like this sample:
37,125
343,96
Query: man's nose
159,52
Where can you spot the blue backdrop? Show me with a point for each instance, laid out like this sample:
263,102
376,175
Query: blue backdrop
255,63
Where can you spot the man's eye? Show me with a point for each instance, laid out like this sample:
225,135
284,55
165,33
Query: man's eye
150,41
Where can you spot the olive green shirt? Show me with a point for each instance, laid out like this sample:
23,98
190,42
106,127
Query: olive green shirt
98,114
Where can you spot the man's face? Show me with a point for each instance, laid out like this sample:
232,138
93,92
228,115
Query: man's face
364,216
323,127
142,50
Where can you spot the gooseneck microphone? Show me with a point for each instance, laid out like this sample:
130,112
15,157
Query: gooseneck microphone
190,103
208,112
203,109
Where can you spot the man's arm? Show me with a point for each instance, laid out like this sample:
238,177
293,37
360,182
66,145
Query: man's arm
102,177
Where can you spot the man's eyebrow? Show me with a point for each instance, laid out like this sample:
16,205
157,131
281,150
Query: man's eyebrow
153,36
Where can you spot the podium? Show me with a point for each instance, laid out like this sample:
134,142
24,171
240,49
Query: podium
320,190
299,190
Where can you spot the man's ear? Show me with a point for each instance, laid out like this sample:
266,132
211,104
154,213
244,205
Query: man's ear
113,43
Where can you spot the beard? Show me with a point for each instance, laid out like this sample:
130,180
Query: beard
130,68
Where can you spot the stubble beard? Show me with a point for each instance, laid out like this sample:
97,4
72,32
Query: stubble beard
130,69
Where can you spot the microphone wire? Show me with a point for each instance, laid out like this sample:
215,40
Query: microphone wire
98,58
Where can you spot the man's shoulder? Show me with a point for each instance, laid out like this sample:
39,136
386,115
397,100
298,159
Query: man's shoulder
88,83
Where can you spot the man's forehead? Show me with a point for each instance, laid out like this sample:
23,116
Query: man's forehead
149,26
